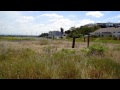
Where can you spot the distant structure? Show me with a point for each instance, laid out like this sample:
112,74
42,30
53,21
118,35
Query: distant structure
109,24
104,25
55,34
107,29
107,32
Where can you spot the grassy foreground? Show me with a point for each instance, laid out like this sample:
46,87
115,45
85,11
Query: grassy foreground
46,59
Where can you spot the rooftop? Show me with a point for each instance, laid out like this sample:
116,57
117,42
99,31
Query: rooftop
110,29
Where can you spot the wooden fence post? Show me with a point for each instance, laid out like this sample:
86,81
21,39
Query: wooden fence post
73,43
88,40
84,39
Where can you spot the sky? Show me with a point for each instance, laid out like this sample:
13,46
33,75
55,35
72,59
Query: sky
37,22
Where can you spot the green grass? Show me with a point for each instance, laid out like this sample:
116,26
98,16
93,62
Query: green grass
15,38
77,39
109,41
99,40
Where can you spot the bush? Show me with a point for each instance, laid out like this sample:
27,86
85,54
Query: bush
97,49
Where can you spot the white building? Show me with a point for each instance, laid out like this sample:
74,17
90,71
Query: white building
107,31
55,34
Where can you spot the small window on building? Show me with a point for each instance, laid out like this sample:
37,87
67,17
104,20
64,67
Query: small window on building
118,32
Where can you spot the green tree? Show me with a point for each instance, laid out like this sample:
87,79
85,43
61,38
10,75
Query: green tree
80,31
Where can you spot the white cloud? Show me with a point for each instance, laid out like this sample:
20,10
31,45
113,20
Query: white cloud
84,22
12,22
52,15
25,19
72,16
114,18
17,23
96,14
65,23
118,16
56,21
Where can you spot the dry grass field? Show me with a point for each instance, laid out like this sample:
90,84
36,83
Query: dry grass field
55,59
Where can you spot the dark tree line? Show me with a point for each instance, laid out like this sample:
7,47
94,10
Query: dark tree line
43,35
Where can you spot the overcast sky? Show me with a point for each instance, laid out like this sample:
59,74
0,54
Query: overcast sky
37,22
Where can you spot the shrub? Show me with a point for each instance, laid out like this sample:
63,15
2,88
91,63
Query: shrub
97,49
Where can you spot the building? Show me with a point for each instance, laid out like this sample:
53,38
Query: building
104,25
107,31
109,24
55,34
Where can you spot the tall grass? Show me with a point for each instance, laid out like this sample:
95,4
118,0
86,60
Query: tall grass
25,63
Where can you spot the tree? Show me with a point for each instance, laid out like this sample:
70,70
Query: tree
67,32
74,32
83,30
